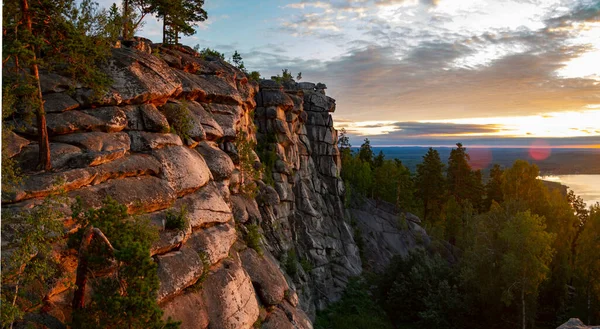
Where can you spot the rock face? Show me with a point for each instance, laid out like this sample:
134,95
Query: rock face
575,323
385,232
163,138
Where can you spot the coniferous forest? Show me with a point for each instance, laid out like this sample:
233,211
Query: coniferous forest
507,253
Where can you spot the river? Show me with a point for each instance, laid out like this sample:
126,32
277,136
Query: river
586,186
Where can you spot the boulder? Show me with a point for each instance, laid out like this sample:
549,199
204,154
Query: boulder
178,270
184,169
183,120
113,117
244,208
96,141
60,155
211,127
277,320
35,186
54,83
296,316
142,141
229,297
147,193
139,77
219,162
129,166
59,102
265,275
217,90
153,119
229,123
72,121
214,241
14,143
205,206
189,308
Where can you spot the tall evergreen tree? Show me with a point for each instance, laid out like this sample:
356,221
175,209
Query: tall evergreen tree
493,188
179,17
459,173
365,153
431,184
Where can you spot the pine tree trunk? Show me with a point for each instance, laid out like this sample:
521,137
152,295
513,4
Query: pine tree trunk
164,31
589,306
523,305
44,144
82,268
125,19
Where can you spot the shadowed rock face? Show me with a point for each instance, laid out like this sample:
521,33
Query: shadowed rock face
575,323
125,145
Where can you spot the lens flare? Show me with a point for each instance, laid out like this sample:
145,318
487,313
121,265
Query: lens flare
539,150
481,158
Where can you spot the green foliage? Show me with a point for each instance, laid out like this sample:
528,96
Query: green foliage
306,265
587,266
290,262
254,76
249,169
425,288
28,267
286,76
266,152
197,286
355,310
493,188
176,220
238,62
431,184
180,119
365,153
127,298
179,16
208,53
253,238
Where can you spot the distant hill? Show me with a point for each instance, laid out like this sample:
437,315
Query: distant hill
558,161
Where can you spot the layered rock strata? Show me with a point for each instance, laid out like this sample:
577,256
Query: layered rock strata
162,139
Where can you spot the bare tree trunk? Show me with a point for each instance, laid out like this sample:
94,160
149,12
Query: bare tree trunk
589,306
164,31
125,19
44,144
523,305
82,268
82,264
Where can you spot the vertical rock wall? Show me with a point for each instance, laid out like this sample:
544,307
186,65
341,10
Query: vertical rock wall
303,217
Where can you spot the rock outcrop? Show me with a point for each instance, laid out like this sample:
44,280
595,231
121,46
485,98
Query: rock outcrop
162,138
575,323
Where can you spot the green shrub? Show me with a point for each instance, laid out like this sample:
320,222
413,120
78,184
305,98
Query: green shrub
249,173
254,76
290,262
176,220
179,118
306,265
253,238
207,53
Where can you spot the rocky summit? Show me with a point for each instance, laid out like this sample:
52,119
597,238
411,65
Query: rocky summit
128,144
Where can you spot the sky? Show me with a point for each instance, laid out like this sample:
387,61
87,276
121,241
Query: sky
428,72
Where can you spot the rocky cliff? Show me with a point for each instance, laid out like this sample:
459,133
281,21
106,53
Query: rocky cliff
129,144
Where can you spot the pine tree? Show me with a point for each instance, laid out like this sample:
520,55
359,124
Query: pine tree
55,36
493,188
459,173
431,184
179,17
126,297
365,153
